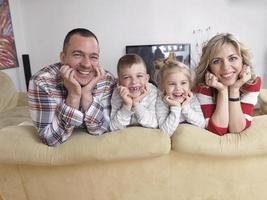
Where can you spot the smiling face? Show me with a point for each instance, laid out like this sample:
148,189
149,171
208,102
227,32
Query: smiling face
82,55
176,85
134,78
226,64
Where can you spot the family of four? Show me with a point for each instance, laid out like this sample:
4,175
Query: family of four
78,92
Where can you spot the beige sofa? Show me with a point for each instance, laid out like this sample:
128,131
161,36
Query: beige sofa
136,163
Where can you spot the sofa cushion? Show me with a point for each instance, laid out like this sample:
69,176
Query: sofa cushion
8,95
15,116
21,145
263,101
252,141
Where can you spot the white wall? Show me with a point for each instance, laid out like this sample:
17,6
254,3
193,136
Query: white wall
40,26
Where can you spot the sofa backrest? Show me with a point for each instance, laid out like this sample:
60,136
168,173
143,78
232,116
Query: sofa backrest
8,93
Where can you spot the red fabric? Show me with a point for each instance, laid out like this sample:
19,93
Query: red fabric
208,108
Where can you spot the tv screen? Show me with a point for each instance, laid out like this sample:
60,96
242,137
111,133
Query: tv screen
150,53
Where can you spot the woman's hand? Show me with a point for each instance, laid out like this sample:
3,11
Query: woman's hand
212,81
244,76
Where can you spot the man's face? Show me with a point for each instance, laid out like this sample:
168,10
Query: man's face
82,55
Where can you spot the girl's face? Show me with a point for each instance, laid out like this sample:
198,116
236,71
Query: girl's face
226,64
176,85
134,78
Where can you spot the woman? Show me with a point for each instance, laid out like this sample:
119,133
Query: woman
227,85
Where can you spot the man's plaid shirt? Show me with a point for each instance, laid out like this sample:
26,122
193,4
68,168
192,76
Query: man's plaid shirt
54,119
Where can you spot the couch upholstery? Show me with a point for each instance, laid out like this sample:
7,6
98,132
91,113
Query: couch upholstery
135,163
263,101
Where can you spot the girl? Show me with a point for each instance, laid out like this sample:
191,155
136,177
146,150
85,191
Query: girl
176,103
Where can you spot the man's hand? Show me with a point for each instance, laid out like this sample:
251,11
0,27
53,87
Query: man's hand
124,94
72,86
86,96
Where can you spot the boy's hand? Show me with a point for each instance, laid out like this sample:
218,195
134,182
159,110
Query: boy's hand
244,76
144,92
124,94
212,81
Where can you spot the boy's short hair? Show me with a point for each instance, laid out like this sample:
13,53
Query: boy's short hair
128,60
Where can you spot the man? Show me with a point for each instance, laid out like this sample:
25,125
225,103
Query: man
73,93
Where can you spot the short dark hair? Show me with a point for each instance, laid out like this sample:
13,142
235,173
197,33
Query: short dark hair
128,60
79,31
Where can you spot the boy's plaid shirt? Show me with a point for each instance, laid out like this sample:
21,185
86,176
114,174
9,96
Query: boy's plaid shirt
54,119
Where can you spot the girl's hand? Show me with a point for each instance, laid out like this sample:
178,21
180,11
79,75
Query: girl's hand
169,101
188,98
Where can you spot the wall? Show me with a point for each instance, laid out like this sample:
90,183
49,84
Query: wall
40,26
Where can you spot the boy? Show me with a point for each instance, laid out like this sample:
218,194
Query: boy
133,101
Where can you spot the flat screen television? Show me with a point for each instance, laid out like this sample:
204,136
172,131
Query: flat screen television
150,53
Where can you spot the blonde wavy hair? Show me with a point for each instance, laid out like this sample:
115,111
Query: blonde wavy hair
214,44
165,67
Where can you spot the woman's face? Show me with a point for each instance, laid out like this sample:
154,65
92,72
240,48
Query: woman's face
226,64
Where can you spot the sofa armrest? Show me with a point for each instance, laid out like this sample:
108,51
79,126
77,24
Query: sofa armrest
22,99
262,98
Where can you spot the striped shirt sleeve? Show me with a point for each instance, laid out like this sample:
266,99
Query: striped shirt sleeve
193,114
248,101
120,116
168,117
97,117
54,121
145,111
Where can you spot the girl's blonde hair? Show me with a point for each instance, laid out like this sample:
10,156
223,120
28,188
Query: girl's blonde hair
165,67
212,46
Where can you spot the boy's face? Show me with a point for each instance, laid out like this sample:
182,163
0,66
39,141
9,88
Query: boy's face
134,78
176,85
